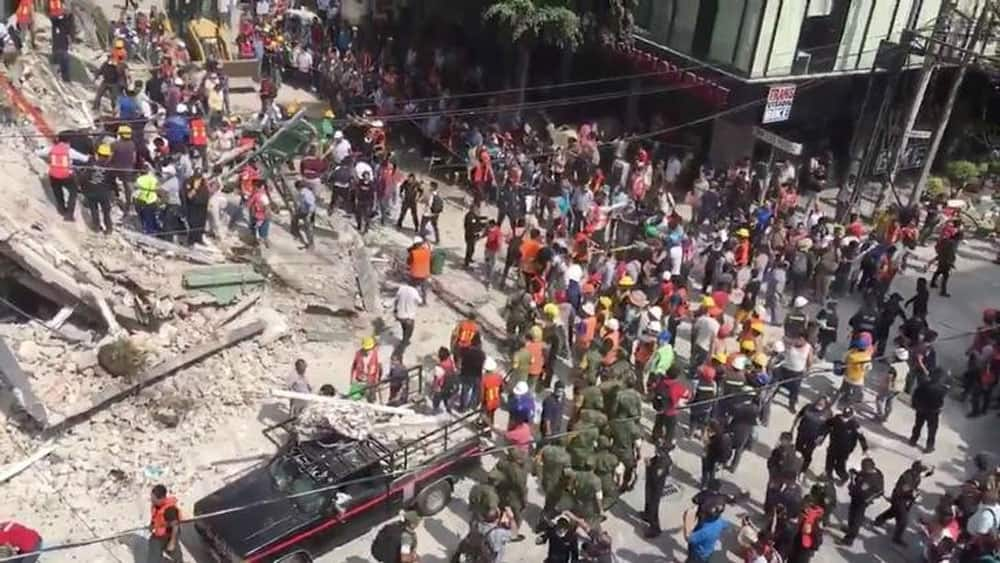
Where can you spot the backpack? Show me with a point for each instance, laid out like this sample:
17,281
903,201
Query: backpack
811,516
661,396
437,204
475,547
386,545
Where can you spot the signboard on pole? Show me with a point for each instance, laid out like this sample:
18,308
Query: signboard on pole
777,141
779,103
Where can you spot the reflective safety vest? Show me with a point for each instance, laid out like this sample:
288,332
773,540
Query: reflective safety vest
158,520
56,9
145,189
59,166
612,354
24,9
365,368
199,136
537,358
420,262
492,382
465,333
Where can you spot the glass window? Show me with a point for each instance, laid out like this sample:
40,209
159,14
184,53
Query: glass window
685,20
748,37
726,30
290,479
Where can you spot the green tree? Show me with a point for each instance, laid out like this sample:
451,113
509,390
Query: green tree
529,23
962,172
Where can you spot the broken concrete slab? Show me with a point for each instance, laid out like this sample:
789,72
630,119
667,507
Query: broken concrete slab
330,311
17,380
225,282
212,345
238,310
10,471
368,281
189,254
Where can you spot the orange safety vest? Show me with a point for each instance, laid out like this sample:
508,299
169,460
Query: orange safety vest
742,257
247,177
589,327
158,520
492,382
465,333
199,137
363,373
420,262
612,354
59,166
537,358
56,9
24,9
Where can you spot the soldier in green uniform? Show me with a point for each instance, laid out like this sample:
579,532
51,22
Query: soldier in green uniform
621,370
520,314
589,398
590,364
587,493
512,483
482,499
550,464
606,467
583,443
625,436
609,390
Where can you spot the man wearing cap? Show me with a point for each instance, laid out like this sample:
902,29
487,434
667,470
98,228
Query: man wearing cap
857,364
866,486
797,319
491,386
341,148
657,470
928,401
703,332
904,494
98,186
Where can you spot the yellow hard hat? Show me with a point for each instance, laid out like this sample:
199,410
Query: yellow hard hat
707,302
748,346
626,281
720,357
760,358
757,326
368,343
604,302
535,333
292,107
119,43
104,150
551,310
329,114
124,131
280,39
743,233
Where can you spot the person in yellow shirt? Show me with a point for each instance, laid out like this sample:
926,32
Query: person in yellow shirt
857,364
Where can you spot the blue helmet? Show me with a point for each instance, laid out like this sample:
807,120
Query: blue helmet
665,336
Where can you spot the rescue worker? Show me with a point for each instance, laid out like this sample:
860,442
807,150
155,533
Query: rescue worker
904,494
534,353
366,372
98,187
797,320
845,435
706,389
610,341
123,163
626,434
511,476
669,396
519,316
418,262
463,335
662,360
657,470
164,527
866,486
147,202
199,135
928,401
26,21
553,338
609,470
61,157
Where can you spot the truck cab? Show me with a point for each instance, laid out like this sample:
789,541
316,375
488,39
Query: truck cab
317,494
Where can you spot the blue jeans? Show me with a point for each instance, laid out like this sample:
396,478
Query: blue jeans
468,393
261,228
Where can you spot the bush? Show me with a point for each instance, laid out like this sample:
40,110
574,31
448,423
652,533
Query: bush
936,186
962,172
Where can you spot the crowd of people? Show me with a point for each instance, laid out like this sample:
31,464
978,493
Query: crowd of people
602,273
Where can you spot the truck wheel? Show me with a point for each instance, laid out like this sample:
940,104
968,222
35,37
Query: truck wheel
297,557
434,498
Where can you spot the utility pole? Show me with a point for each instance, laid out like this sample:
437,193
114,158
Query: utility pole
968,58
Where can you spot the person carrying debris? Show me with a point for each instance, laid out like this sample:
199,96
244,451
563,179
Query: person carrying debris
164,526
61,178
98,185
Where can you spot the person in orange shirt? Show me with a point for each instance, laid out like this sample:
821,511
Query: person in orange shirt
586,331
418,260
530,247
26,21
491,385
610,341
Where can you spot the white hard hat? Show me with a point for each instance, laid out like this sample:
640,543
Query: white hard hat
521,388
574,273
182,108
169,170
656,312
178,81
338,135
588,308
902,354
418,239
667,275
800,301
611,324
377,123
778,347
740,362
654,327
489,364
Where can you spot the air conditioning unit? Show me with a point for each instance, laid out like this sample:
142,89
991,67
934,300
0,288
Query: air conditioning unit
801,63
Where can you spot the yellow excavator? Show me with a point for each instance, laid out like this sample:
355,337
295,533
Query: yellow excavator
208,37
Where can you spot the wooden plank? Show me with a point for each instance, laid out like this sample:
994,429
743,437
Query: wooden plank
238,310
10,471
209,347
338,401
56,322
191,255
14,376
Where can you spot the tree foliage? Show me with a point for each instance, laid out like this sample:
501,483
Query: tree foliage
962,172
529,21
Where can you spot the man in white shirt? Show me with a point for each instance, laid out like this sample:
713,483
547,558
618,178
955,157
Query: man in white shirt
703,332
673,169
405,308
304,64
341,147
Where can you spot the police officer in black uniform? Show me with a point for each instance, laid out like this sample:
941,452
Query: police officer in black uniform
904,494
845,435
810,422
866,486
657,470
